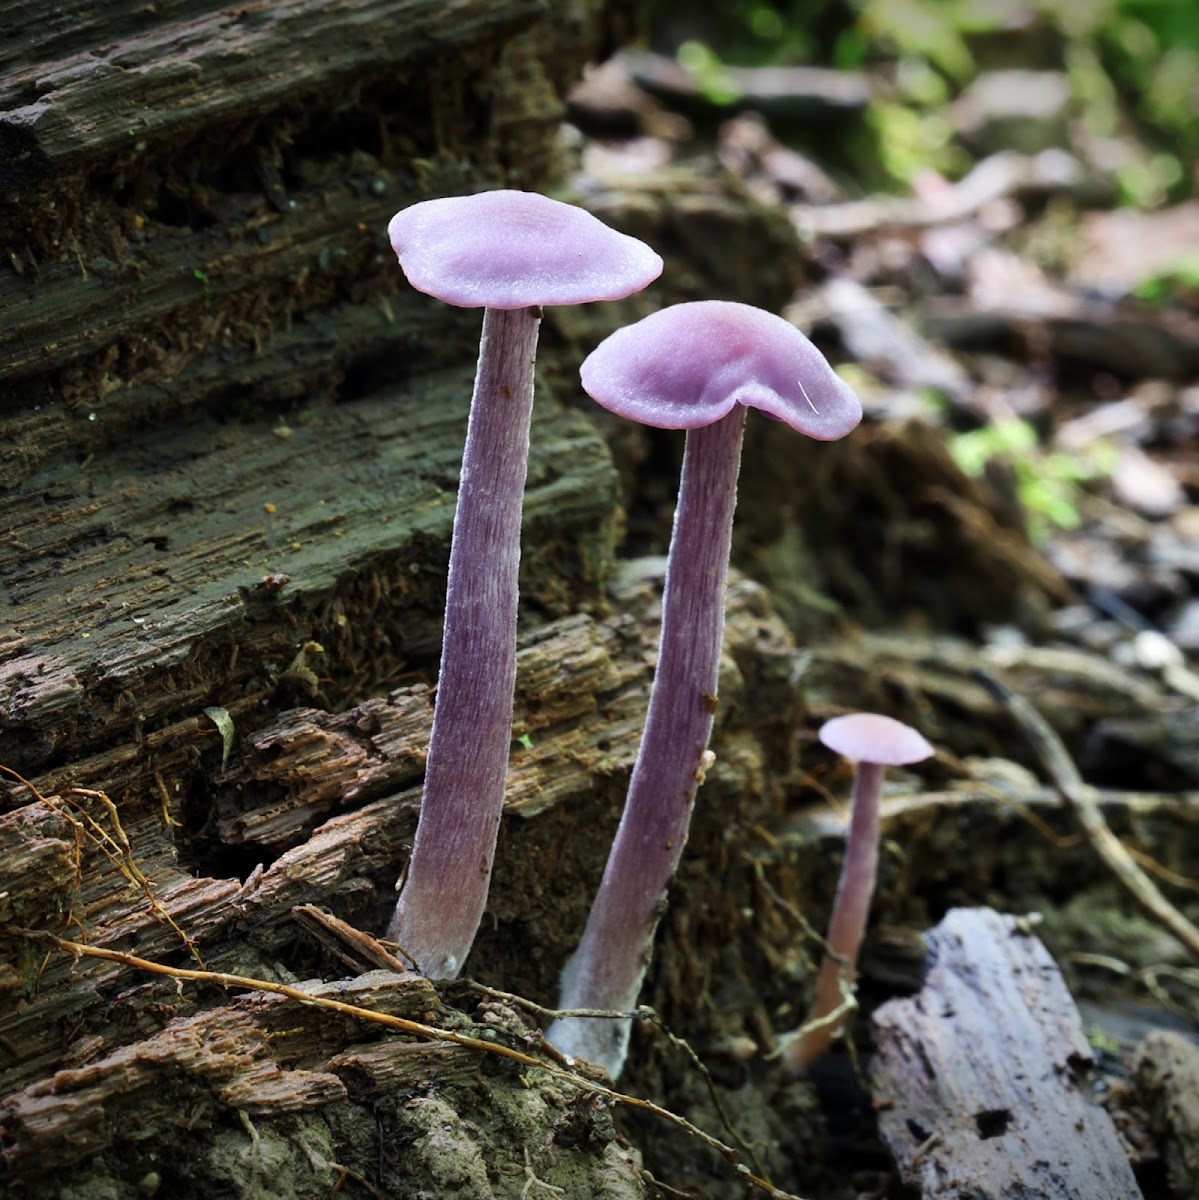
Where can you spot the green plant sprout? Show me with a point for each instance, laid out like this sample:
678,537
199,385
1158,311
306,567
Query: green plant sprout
705,67
199,274
1048,483
1180,281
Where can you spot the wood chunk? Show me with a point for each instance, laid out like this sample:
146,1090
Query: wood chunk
379,1069
39,863
170,77
263,1054
1167,1070
302,766
306,764
187,569
582,687
980,1079
171,1100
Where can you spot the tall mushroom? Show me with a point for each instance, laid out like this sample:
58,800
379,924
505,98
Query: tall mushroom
696,367
509,253
874,742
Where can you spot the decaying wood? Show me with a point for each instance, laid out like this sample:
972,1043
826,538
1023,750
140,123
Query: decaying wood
582,687
980,1080
1167,1072
325,803
228,1057
357,950
201,67
144,598
1074,688
288,1061
194,201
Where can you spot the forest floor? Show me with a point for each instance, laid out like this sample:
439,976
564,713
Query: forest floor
1024,323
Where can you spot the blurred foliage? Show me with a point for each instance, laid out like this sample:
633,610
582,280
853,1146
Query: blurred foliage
1048,483
752,32
1132,65
1178,285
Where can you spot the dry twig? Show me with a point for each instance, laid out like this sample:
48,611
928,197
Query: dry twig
1083,802
403,1025
114,846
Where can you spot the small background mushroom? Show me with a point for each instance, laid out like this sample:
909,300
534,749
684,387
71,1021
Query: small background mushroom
874,742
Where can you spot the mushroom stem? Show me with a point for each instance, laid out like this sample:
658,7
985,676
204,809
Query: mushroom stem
851,907
441,903
607,969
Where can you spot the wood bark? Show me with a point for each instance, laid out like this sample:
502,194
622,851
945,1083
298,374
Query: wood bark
1167,1071
980,1079
229,447
323,802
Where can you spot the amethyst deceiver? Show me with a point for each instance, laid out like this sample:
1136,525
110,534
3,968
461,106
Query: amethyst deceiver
874,742
509,253
696,367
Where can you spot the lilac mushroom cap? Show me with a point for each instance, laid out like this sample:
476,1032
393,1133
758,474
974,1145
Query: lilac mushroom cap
873,738
509,253
510,249
697,367
689,365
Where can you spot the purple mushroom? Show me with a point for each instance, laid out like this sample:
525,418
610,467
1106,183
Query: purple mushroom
875,743
695,367
508,253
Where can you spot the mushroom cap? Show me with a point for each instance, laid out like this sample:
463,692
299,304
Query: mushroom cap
509,249
873,738
687,365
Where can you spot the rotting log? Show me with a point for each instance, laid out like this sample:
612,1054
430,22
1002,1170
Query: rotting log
189,569
1167,1075
133,1063
980,1080
229,443
186,183
195,67
324,803
266,1087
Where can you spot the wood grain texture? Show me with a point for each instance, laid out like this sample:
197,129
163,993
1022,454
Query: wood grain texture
325,805
169,75
189,569
981,1078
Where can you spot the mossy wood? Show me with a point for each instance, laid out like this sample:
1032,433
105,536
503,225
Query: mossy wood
229,446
